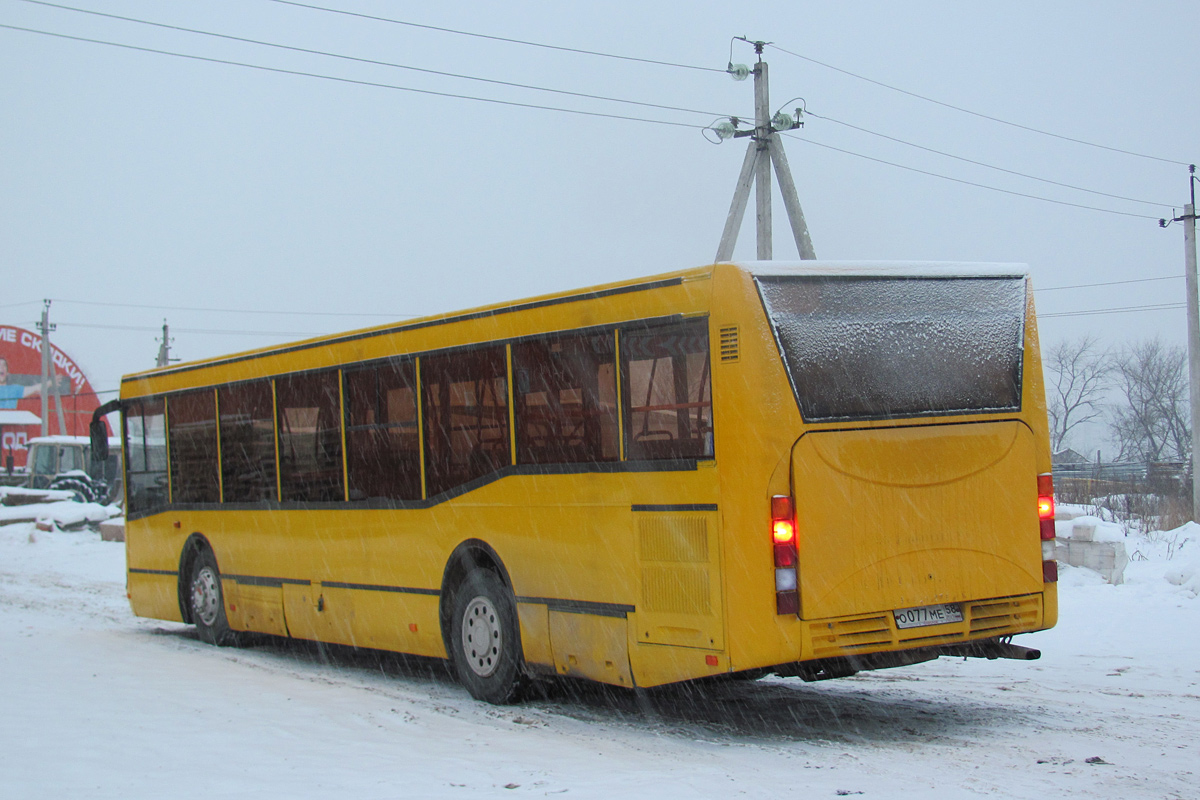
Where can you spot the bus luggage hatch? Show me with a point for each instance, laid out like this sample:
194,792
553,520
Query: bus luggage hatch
910,517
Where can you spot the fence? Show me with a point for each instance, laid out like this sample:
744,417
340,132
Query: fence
1146,493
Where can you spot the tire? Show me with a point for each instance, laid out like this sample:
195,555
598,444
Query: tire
485,639
82,490
207,602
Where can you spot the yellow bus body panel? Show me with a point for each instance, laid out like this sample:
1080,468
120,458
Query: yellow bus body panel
646,577
906,517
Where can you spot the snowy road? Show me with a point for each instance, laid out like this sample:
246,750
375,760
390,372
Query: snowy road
98,703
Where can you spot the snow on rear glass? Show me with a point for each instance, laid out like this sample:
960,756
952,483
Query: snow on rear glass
859,348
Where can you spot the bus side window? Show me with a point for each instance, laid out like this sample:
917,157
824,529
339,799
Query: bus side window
466,416
310,437
565,397
146,444
668,391
192,430
247,442
383,448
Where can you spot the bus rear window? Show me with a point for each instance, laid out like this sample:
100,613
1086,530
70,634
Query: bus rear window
885,347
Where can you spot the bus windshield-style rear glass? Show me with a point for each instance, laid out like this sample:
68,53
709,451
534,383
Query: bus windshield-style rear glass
886,347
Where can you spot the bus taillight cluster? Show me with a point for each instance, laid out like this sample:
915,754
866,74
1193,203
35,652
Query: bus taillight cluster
783,536
1045,483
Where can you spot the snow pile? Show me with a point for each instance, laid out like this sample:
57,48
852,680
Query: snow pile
1089,528
61,514
1170,556
18,495
1186,577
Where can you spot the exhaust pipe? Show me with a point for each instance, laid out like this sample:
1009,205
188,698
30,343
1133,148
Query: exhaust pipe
992,649
1016,651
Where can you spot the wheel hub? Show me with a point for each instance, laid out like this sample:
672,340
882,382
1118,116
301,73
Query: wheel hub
482,637
206,596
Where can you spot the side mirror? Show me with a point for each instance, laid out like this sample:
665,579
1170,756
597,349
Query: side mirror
99,435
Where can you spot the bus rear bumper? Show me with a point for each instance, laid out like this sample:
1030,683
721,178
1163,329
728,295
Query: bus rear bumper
844,666
983,619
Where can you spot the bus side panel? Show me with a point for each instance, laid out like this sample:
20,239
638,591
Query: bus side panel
152,549
348,577
254,608
387,621
154,596
659,664
755,420
590,646
534,619
572,544
364,618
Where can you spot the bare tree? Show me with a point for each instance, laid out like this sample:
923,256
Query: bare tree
1153,422
1077,377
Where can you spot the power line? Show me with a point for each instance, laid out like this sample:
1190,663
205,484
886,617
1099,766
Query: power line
1117,310
1109,283
543,45
234,310
973,113
372,61
353,81
983,164
190,330
971,183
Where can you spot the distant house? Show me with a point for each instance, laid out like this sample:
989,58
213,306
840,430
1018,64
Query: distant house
1068,458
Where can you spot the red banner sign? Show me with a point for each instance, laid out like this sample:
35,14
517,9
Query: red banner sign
21,388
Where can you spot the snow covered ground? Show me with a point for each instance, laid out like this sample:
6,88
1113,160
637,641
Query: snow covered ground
97,703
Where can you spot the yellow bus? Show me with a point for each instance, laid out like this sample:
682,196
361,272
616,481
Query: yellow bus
809,469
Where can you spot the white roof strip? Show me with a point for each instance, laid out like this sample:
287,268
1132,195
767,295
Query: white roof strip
903,269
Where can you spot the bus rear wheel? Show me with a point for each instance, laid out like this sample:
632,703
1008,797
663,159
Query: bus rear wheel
485,639
207,601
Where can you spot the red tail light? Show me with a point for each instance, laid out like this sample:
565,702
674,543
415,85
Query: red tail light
1045,501
783,538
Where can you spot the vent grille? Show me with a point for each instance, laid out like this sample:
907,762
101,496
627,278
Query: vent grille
729,343
998,616
675,590
847,636
674,539
675,554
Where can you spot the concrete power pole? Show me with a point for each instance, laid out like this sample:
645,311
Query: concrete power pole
1189,248
164,348
1193,321
49,382
765,149
47,370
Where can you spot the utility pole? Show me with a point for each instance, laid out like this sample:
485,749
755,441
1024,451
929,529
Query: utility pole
164,348
1193,320
765,149
44,329
49,382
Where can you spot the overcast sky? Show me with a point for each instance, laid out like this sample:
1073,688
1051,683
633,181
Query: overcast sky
129,177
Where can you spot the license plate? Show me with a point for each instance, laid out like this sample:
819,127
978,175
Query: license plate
928,615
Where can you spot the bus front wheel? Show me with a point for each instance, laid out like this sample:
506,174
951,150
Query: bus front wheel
485,639
207,600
